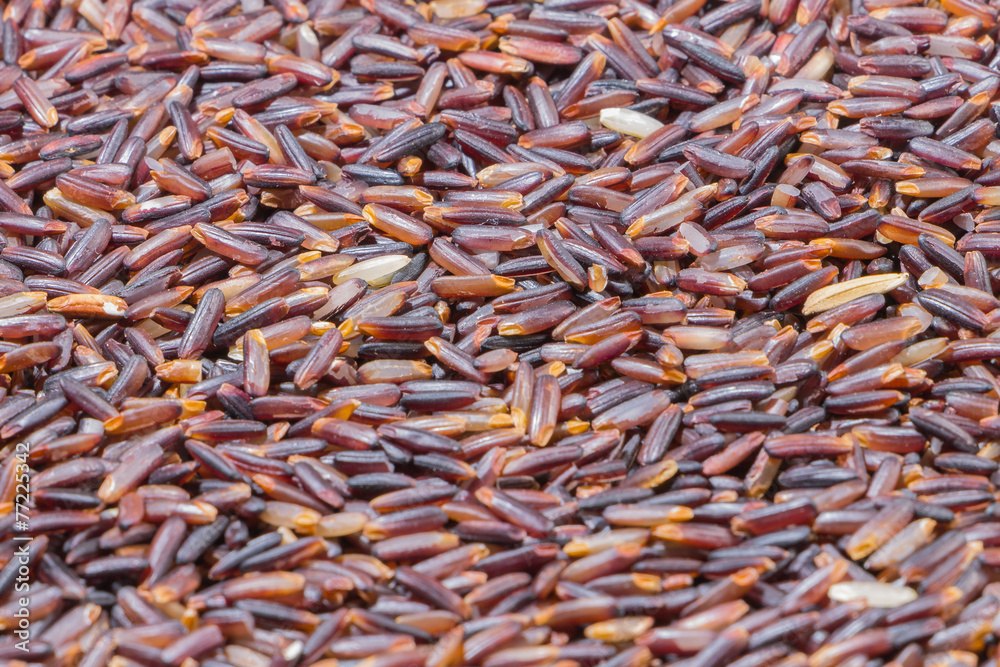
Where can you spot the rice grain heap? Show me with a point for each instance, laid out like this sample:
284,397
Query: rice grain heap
587,333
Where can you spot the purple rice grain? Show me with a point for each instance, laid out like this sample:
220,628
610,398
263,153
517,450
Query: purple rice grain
341,330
